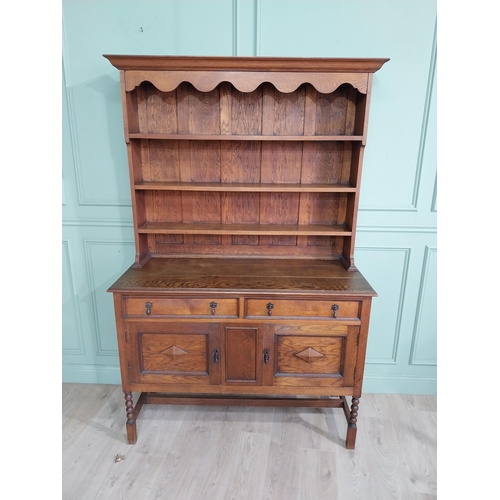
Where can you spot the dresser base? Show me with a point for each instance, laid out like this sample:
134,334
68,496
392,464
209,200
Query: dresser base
216,400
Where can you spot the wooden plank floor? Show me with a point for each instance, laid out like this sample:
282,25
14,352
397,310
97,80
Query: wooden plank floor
251,453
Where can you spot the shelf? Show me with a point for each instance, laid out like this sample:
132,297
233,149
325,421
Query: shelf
227,137
244,229
265,155
244,187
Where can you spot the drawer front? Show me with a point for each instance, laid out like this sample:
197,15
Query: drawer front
302,308
181,307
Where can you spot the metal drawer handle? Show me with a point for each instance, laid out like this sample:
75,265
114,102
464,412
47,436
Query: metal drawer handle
216,355
266,355
148,305
213,305
335,308
270,308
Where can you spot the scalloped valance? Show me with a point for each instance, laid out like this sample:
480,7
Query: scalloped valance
205,81
246,73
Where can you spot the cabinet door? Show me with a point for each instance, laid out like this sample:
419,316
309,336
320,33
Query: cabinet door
174,353
312,355
243,355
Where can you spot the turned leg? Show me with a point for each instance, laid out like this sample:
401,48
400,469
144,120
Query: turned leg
351,425
131,426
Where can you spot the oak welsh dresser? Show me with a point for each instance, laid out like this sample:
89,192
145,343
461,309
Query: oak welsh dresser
245,177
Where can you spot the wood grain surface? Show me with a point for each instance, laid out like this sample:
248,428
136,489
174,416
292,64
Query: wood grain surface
236,275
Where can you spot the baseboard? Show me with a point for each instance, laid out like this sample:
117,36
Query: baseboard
384,384
91,374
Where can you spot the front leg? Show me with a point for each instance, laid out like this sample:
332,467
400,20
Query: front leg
131,425
351,425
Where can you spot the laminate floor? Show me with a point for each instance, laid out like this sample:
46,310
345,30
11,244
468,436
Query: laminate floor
251,453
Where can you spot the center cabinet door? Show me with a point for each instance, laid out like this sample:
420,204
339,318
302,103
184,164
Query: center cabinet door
163,352
244,355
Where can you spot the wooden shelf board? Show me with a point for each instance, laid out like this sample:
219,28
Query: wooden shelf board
221,137
244,229
244,187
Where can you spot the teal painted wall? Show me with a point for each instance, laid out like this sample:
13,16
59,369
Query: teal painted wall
396,244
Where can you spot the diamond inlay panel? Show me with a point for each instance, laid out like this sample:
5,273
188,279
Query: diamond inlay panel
174,352
309,355
297,356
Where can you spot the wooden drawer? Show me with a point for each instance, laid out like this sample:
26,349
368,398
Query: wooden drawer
180,307
302,308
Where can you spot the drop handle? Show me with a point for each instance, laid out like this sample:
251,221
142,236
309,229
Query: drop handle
270,307
335,308
148,305
266,355
213,305
216,355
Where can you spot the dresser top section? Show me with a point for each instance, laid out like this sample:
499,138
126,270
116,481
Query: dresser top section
284,276
267,64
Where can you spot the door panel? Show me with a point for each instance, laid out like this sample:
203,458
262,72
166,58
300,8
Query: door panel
170,353
313,357
243,360
173,353
309,355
